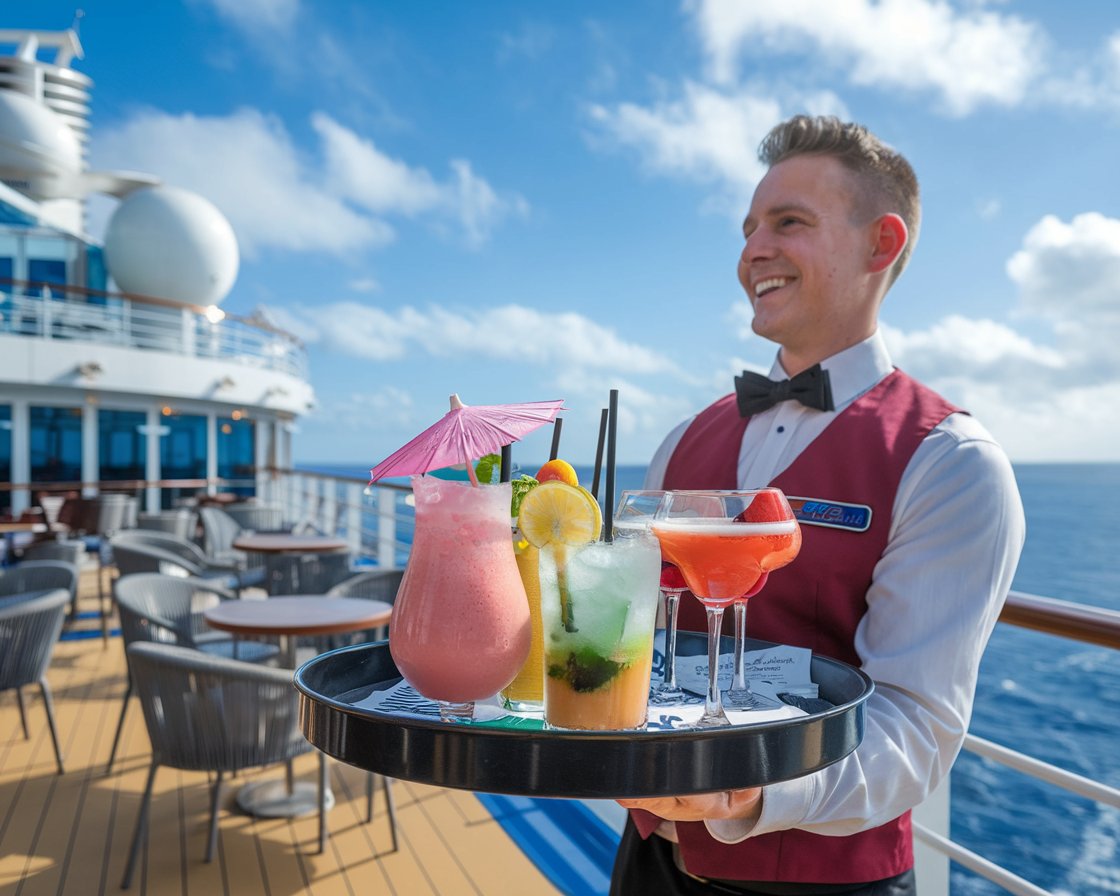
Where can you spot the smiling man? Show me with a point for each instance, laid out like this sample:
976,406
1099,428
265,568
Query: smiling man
911,522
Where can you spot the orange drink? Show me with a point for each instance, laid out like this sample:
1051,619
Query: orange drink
526,691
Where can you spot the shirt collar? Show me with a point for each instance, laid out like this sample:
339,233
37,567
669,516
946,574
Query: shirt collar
853,371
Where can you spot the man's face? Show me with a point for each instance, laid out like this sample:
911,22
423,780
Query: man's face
805,264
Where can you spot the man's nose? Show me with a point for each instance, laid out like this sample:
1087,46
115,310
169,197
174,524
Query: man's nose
759,246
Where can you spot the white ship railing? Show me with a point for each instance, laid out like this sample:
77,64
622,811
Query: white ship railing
128,321
1092,625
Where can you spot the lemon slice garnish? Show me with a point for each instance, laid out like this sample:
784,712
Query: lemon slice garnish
557,513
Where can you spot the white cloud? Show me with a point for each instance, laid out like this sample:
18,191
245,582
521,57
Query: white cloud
279,197
1069,275
969,57
1074,267
706,135
531,41
256,15
356,168
246,164
388,406
574,341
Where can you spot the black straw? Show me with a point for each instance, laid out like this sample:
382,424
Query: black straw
612,433
599,454
506,469
557,424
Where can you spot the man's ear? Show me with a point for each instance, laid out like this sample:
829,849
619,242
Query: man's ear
890,237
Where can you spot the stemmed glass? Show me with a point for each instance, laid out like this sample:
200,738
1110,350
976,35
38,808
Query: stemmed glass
723,542
740,695
636,510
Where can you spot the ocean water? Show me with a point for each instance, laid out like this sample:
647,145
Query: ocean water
1052,698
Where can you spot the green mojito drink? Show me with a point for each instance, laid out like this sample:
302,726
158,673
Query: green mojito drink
599,609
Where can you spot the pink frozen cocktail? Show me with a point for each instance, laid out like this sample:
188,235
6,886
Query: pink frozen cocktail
460,629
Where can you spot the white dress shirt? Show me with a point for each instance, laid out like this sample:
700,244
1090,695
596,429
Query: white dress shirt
957,529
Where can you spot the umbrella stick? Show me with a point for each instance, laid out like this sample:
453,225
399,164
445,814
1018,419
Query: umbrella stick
599,454
507,464
557,424
612,433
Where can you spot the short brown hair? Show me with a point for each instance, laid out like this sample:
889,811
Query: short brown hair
888,183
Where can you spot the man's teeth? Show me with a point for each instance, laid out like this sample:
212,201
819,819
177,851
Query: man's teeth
767,285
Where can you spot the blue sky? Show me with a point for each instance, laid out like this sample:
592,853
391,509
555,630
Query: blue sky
519,201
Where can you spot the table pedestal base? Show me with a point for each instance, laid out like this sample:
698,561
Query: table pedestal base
272,799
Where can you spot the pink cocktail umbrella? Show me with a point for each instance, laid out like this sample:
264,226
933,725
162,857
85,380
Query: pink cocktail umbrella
465,433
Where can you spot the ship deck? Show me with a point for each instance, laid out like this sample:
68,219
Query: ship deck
69,835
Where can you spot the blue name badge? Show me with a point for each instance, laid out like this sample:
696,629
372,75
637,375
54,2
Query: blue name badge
833,514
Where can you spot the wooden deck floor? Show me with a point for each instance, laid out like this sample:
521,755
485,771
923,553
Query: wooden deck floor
68,835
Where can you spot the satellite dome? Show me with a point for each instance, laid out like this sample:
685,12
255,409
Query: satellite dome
171,243
37,147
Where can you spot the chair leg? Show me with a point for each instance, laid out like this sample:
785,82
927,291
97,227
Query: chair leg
324,783
369,797
120,727
22,713
386,785
215,806
141,832
48,703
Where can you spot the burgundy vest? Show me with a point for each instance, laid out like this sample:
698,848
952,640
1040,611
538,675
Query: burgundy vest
815,602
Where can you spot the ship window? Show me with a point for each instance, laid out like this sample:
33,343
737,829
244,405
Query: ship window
237,453
121,445
182,453
46,270
6,455
56,445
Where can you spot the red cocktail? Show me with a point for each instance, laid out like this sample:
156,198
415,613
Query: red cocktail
723,543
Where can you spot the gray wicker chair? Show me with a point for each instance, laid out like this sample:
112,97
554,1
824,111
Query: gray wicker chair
305,573
28,632
377,584
40,575
188,557
181,522
219,530
209,714
168,609
257,517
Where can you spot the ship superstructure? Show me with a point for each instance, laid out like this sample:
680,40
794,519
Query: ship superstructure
116,361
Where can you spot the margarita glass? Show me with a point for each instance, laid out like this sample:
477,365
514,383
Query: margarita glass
460,627
723,542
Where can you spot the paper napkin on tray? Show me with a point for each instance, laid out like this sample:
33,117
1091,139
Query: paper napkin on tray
772,671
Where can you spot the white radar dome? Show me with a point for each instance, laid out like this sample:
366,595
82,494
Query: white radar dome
173,244
37,148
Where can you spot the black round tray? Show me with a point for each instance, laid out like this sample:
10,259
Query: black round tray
573,764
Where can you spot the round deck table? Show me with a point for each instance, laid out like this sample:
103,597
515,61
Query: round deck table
297,614
285,543
287,618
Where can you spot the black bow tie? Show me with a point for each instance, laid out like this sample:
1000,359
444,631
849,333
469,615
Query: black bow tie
757,393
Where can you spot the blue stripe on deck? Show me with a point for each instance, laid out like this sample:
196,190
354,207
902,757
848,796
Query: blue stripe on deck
84,634
571,845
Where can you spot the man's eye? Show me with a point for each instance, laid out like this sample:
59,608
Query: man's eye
788,222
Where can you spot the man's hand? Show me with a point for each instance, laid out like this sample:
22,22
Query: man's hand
744,804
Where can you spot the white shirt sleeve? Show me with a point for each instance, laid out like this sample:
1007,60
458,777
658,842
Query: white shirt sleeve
956,534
